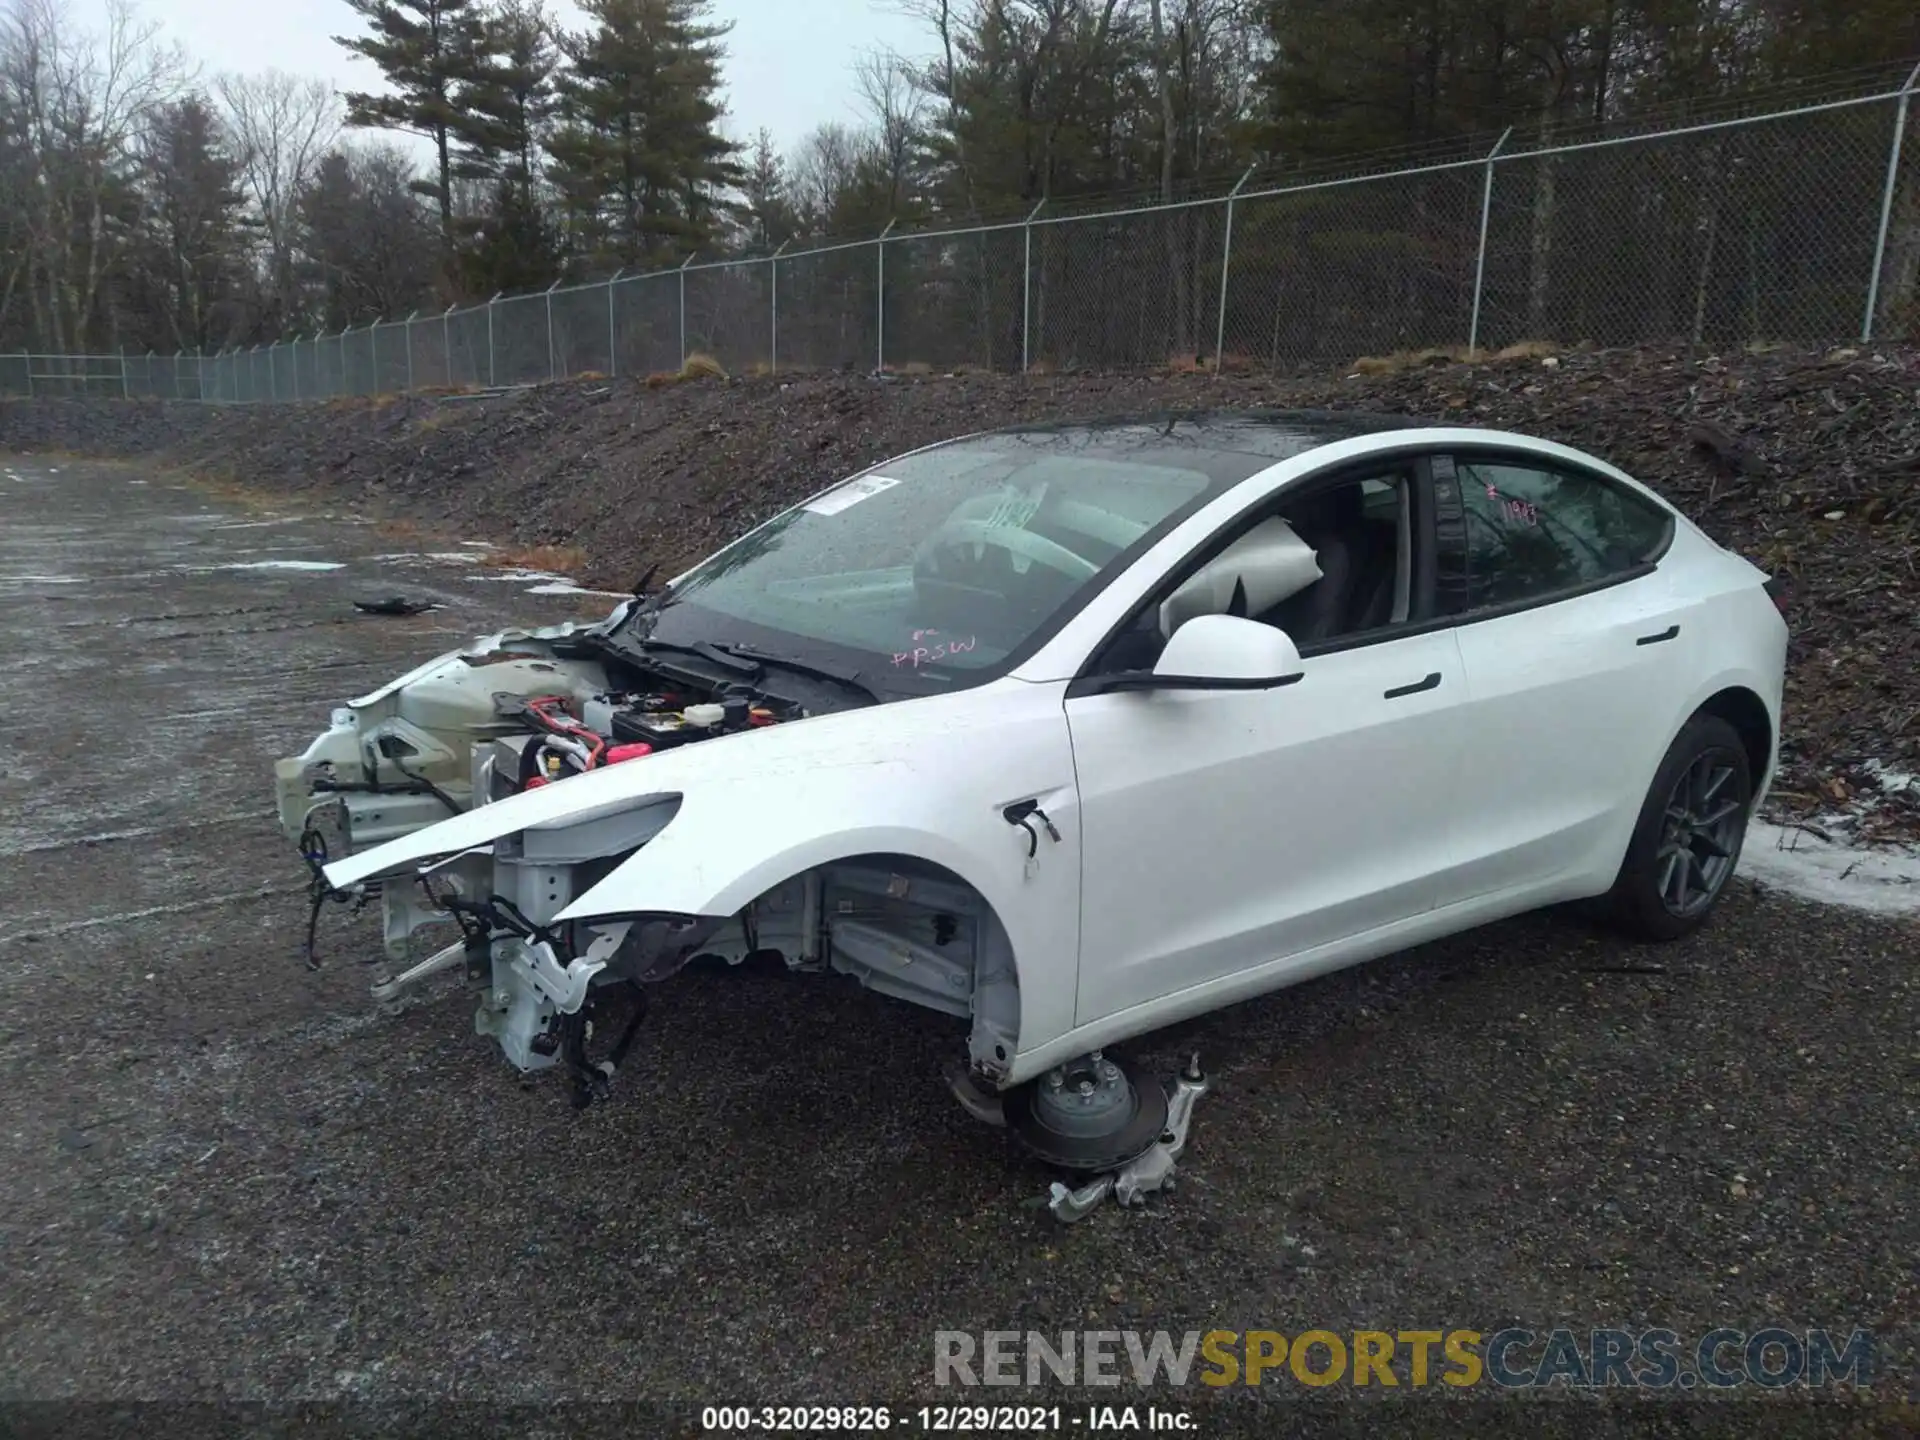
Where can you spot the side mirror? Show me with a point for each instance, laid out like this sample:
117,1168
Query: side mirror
1218,652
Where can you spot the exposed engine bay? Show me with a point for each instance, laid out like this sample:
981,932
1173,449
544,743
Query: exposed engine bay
522,711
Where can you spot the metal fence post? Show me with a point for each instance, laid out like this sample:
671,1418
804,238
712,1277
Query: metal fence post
553,364
613,331
1226,265
409,344
1026,285
683,307
491,368
374,386
773,276
126,391
1480,260
1886,204
446,340
880,292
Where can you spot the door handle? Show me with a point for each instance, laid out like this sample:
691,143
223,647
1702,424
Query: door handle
1667,634
1432,682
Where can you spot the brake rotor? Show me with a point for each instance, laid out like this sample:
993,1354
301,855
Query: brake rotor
1091,1114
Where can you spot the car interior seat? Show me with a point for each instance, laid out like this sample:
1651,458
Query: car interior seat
1375,592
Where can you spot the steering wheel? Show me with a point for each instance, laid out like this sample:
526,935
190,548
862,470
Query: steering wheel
1022,548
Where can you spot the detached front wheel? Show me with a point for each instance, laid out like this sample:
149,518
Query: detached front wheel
1688,838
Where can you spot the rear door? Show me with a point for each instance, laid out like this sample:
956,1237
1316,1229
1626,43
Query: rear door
1577,651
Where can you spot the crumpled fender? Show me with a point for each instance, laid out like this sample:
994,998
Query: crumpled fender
926,778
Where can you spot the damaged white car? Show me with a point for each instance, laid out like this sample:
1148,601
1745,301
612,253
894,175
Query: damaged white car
1071,732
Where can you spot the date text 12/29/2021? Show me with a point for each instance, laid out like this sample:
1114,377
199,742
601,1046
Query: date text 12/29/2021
945,1419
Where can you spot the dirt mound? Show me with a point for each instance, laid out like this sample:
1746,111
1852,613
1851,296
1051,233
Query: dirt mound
1807,463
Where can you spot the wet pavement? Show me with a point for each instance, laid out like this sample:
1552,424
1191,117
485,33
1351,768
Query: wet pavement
224,1176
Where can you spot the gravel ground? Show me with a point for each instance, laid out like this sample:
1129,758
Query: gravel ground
225,1178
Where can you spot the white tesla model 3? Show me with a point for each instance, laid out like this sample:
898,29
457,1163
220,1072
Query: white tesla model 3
1073,731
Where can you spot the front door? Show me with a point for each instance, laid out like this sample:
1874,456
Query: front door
1222,831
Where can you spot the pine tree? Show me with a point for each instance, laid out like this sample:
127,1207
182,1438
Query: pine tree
508,99
191,239
770,217
642,170
508,103
427,50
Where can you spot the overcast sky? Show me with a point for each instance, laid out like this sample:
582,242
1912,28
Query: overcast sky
788,62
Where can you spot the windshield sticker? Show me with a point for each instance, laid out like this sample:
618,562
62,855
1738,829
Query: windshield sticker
930,647
846,496
1017,507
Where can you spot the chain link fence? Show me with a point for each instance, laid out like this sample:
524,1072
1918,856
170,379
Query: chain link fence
1799,225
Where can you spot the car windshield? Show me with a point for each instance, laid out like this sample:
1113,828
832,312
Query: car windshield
939,566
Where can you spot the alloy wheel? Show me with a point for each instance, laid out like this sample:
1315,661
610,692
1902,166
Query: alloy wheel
1700,835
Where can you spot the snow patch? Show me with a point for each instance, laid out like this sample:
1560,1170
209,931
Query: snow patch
284,565
1890,780
567,587
42,580
537,576
1885,881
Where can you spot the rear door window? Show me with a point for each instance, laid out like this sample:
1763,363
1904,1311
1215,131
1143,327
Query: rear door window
1534,531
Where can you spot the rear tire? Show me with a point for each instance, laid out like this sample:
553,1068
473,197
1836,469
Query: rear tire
1687,841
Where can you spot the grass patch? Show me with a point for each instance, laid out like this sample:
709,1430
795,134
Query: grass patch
549,559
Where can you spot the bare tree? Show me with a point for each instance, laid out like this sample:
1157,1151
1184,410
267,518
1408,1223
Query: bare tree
940,79
824,170
282,125
80,100
897,103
